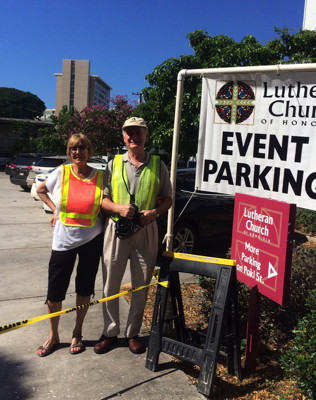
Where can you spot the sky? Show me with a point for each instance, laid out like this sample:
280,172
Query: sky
123,39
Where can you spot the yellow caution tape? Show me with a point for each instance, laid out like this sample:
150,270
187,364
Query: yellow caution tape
194,257
20,324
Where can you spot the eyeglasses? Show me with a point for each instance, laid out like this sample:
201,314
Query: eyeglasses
75,148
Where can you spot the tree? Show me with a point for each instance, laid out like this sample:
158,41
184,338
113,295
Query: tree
103,126
49,142
67,122
159,105
17,104
210,52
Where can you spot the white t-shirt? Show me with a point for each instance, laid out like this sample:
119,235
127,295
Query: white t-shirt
69,237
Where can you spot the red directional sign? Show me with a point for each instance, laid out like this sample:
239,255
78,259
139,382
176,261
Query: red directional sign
262,244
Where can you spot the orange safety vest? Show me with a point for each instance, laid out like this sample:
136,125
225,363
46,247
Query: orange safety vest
80,199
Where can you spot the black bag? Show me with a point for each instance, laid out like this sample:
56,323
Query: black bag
124,227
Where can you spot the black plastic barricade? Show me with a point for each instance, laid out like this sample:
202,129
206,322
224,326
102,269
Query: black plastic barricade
221,337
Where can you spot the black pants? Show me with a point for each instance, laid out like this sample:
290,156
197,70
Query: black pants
62,263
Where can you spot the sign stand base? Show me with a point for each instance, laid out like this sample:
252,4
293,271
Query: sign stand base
221,338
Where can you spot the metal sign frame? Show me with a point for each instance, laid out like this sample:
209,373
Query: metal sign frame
177,119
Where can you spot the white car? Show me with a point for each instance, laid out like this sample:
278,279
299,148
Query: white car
95,162
45,164
37,180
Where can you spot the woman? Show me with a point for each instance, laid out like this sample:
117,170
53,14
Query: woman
78,230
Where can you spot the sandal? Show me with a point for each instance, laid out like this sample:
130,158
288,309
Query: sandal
78,344
47,347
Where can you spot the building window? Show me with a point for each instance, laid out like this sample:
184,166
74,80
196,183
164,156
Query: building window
72,83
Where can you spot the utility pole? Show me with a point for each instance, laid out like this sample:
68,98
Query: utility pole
140,99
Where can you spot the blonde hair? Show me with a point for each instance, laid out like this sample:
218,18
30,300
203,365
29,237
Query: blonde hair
79,138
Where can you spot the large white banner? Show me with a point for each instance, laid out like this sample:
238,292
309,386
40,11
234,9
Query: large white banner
258,136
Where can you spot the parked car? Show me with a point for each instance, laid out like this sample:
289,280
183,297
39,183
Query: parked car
38,179
199,218
5,159
97,162
7,168
20,168
45,164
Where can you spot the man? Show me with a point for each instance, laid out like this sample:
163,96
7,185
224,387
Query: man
139,179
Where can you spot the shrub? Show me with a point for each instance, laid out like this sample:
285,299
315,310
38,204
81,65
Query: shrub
299,360
276,322
306,220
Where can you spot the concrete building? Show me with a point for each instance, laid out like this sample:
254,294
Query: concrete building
47,114
10,131
76,87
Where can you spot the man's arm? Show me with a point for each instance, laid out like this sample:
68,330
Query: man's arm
124,210
150,215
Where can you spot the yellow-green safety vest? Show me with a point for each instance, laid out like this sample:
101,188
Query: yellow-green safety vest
148,187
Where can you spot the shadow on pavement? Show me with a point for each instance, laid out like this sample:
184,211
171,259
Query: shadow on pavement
12,374
161,367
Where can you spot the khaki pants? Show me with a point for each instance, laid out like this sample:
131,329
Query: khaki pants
141,248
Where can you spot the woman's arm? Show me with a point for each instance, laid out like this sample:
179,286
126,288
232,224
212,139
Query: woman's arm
42,192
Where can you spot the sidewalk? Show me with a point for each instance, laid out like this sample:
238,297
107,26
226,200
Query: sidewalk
25,244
